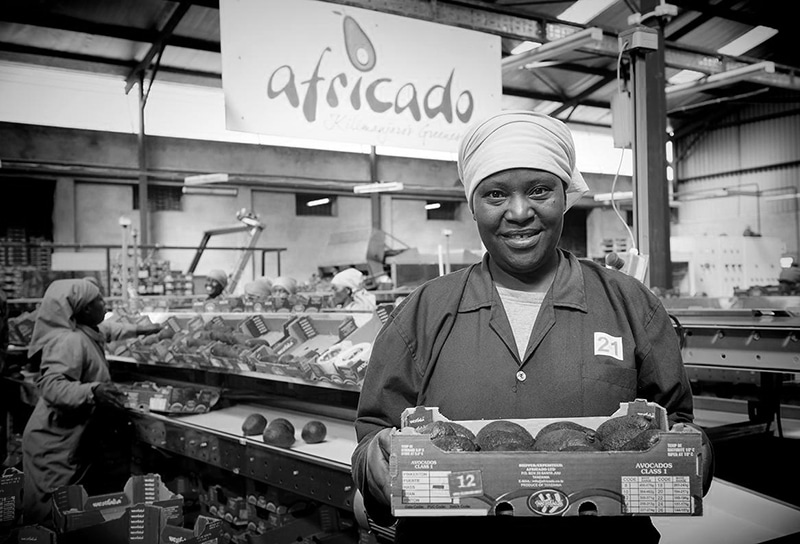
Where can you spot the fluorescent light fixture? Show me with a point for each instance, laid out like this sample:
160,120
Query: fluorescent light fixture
217,191
685,76
782,197
524,47
433,206
583,11
617,196
720,79
318,202
550,50
378,187
202,179
747,41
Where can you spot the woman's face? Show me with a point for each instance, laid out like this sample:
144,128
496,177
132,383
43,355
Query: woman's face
341,295
520,214
213,287
280,292
94,313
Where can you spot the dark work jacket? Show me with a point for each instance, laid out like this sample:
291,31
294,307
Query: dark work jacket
449,344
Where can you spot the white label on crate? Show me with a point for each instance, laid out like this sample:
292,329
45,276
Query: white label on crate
657,494
158,403
605,344
426,487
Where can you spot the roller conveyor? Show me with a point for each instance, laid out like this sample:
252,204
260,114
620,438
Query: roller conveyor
765,340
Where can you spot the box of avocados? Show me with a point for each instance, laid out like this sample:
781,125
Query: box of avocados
626,464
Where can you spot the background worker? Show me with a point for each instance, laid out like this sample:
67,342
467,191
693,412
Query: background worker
516,336
216,282
349,292
68,428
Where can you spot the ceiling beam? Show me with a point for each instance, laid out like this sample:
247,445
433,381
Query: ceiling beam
533,95
158,45
578,100
774,18
73,24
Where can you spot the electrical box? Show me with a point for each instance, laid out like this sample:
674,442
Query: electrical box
716,265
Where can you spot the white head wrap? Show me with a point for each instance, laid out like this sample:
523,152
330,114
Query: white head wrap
519,139
349,277
258,287
285,282
219,275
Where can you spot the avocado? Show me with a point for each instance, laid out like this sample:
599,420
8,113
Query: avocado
314,432
642,441
279,432
454,443
615,432
438,429
502,440
504,425
564,438
254,424
558,425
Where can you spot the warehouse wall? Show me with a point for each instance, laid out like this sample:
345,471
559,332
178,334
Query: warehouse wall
101,171
756,151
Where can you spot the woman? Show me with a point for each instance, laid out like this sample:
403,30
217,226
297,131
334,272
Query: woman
284,286
74,388
515,335
216,281
349,292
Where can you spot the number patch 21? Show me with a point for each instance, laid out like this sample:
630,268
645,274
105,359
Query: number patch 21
605,344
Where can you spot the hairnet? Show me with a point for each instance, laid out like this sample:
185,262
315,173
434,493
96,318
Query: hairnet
219,275
290,284
258,287
519,139
62,300
349,277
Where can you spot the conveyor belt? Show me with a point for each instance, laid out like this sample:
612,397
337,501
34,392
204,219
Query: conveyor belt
758,340
319,471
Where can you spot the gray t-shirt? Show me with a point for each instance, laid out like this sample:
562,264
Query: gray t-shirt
521,308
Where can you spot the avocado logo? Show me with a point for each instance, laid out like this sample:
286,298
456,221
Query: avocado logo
378,95
548,502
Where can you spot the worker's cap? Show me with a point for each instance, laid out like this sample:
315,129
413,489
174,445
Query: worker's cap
349,277
519,139
219,275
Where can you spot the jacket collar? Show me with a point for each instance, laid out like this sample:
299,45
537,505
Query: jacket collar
568,288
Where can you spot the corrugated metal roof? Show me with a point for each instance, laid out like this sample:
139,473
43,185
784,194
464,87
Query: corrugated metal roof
113,36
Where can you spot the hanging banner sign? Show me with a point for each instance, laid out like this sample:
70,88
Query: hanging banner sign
323,71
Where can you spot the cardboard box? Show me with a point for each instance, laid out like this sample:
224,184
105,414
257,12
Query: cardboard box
11,484
665,480
36,534
74,509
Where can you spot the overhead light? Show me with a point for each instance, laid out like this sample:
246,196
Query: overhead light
217,191
720,79
524,47
378,187
433,206
617,196
202,179
549,50
583,11
782,197
747,41
318,202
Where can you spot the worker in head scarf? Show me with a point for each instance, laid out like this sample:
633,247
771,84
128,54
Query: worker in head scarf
114,330
74,388
284,286
259,288
349,292
216,282
529,332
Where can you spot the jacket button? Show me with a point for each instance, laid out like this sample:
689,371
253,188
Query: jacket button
521,376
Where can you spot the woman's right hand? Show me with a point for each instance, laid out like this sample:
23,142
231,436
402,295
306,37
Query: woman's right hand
379,481
106,393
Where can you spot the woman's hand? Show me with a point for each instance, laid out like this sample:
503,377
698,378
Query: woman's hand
106,393
379,481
